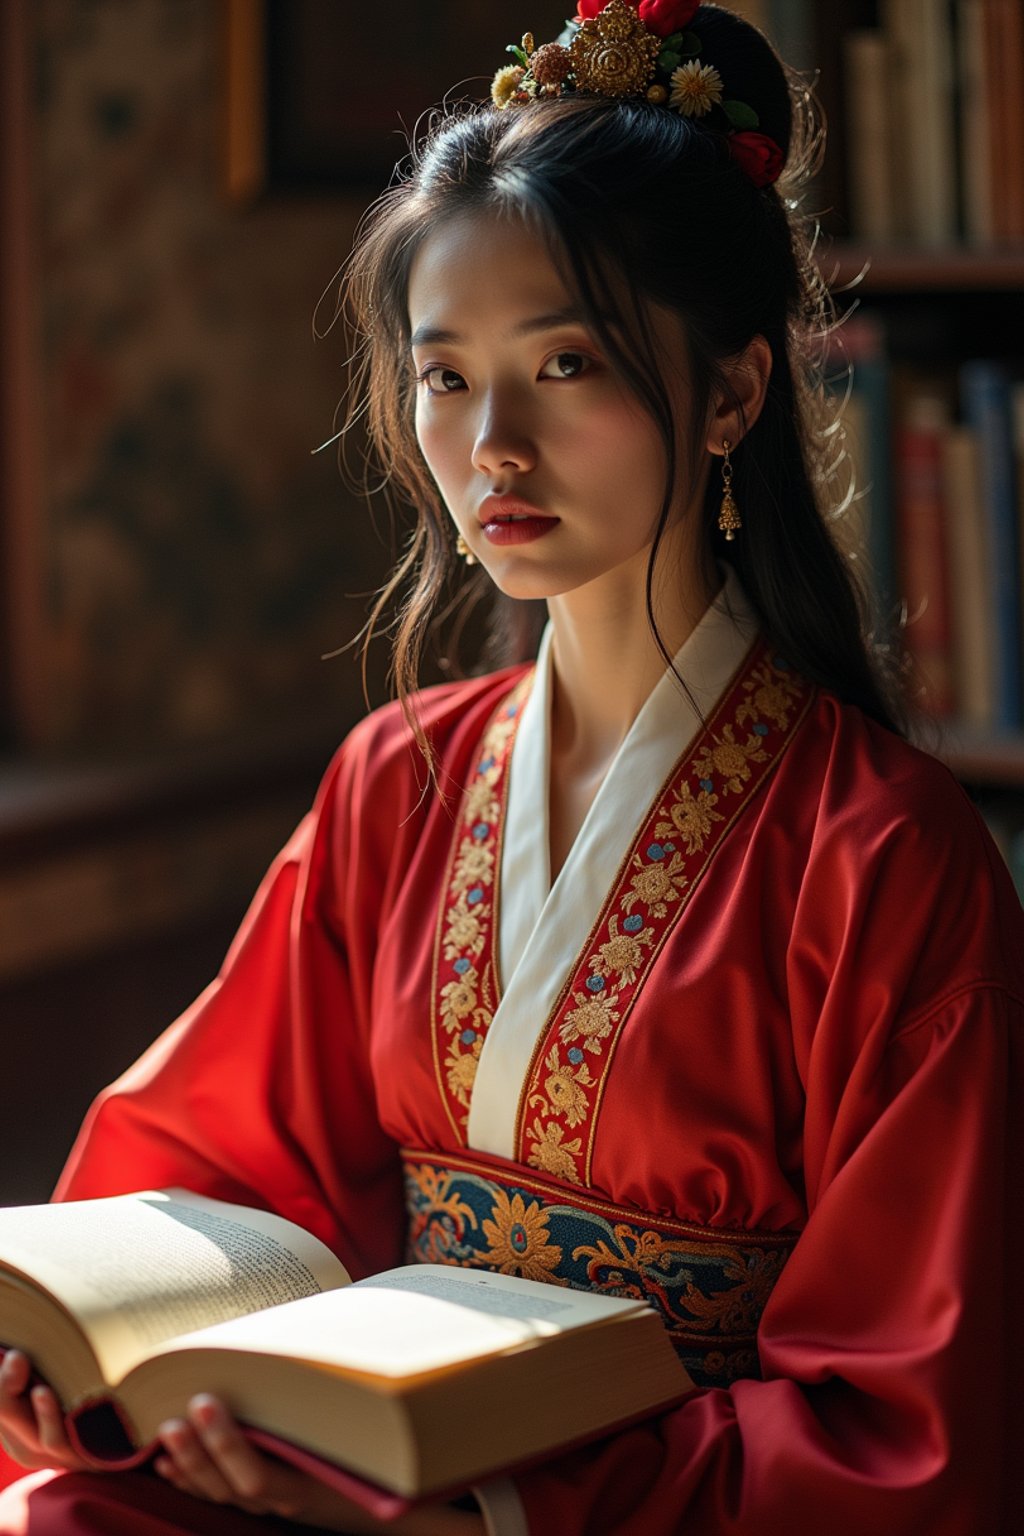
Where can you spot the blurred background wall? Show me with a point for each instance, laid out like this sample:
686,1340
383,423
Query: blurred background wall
189,559
197,556
181,179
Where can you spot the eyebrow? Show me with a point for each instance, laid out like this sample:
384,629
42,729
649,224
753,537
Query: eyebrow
429,335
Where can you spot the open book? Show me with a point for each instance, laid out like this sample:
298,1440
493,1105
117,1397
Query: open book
418,1380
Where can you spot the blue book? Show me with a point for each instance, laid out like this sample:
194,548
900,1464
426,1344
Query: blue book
1015,859
987,403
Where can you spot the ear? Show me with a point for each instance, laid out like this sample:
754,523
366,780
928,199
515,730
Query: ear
741,403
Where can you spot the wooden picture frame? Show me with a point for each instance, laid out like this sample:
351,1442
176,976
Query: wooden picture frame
321,96
23,655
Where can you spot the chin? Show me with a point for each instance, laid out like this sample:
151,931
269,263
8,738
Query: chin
527,586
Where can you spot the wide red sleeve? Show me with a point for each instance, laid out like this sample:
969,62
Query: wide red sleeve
891,1397
261,1093
889,1382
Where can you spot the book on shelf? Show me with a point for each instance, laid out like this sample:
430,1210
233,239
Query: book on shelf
930,111
973,658
988,392
1017,428
1004,93
920,55
869,131
959,519
938,515
922,517
418,1381
975,121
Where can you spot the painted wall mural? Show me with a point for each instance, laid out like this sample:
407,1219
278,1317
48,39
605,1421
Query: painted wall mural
200,558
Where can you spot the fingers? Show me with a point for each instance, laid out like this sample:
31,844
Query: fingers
190,1464
242,1465
209,1456
17,1424
14,1374
17,1421
50,1427
31,1421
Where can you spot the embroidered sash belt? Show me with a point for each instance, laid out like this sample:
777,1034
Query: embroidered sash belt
709,1286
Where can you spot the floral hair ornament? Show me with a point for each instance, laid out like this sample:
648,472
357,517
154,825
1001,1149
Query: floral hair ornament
644,48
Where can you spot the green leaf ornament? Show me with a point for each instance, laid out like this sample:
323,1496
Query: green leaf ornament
740,115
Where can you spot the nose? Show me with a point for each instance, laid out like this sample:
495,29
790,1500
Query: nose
503,439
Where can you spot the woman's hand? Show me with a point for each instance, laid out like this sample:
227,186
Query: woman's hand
31,1419
206,1454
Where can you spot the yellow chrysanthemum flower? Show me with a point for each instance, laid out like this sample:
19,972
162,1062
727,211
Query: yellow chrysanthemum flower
695,88
506,83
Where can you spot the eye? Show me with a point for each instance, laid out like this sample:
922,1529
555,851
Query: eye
566,365
440,381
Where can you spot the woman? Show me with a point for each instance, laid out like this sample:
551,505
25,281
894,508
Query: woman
685,974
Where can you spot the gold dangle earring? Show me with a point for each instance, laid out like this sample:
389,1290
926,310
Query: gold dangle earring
729,517
463,549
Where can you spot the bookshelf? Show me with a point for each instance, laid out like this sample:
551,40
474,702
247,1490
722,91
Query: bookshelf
921,200
855,266
985,758
938,307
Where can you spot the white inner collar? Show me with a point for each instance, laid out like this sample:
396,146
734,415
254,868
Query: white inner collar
544,925
660,734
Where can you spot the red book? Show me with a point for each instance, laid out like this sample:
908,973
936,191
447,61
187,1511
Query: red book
1004,59
922,549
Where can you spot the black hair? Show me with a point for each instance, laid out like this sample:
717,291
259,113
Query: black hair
638,203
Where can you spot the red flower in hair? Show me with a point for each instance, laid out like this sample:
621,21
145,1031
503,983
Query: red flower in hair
758,155
667,16
662,17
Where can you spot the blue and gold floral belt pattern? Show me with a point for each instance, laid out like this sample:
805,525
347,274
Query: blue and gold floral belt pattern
709,1286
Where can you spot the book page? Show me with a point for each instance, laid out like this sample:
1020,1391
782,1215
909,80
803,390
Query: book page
423,1317
138,1269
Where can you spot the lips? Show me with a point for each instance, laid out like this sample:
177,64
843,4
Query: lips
510,509
505,520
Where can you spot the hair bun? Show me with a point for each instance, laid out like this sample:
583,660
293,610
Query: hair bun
749,66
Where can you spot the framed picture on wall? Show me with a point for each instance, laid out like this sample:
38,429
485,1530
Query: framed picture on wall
323,95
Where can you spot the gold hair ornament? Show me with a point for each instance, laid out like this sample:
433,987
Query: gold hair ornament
463,549
638,48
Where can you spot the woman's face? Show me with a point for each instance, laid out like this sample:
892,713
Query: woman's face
551,469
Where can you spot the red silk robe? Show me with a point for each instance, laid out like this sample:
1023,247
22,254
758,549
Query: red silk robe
819,1042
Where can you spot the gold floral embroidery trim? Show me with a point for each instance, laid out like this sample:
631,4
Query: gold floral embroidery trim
732,758
464,984
433,1172
708,1285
